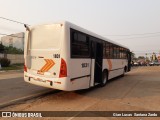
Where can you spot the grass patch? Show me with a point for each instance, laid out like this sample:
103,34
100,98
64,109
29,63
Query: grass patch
13,67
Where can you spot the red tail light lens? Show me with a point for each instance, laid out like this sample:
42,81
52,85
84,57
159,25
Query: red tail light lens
63,69
25,68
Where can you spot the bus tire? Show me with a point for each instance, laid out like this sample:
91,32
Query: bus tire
123,72
104,78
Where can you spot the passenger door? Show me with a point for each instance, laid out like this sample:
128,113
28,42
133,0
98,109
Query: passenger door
97,58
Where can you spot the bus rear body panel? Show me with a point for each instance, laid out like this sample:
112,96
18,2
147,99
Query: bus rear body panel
43,58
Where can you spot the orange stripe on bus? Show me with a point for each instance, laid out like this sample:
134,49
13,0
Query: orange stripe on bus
48,65
109,64
42,69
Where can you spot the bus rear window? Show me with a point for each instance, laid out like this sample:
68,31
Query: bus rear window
46,37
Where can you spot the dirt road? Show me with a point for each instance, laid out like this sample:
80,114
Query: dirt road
138,90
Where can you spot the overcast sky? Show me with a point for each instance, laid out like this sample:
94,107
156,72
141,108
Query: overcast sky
139,19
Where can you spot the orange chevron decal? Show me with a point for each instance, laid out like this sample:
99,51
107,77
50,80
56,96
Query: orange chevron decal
109,64
49,64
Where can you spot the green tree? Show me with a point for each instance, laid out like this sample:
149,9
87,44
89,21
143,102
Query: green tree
13,50
141,57
1,48
133,56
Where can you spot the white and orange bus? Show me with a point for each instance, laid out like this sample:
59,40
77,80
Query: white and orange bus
67,57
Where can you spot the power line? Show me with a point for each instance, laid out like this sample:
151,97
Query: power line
148,53
135,34
12,20
137,37
147,50
10,35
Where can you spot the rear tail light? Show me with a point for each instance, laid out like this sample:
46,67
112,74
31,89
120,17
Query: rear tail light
25,68
63,69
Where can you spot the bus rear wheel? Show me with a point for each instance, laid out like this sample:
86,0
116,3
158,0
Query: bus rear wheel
104,78
124,70
123,73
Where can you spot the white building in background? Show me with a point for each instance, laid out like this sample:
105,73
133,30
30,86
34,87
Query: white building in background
14,40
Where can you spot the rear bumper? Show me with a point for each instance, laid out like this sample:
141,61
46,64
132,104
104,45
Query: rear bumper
55,83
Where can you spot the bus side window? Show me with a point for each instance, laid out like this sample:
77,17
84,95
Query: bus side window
107,50
104,50
121,53
118,53
79,45
75,36
111,51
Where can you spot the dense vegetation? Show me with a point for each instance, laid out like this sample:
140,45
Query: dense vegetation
4,62
10,50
